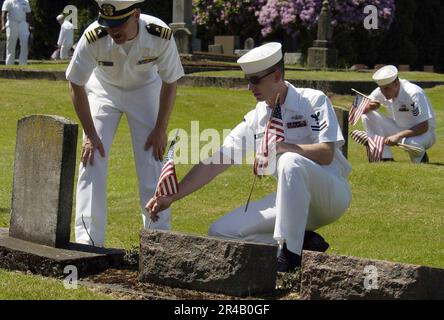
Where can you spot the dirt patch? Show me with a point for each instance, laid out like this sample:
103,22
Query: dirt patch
124,284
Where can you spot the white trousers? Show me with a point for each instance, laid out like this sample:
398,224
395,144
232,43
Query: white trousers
64,51
307,198
141,108
376,124
16,31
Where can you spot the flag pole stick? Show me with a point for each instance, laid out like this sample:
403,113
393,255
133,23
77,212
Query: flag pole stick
264,137
356,91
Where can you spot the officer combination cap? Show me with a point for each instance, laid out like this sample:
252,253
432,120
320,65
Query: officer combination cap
385,75
113,13
261,58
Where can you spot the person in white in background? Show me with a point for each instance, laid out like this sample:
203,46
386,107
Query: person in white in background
410,120
66,37
16,17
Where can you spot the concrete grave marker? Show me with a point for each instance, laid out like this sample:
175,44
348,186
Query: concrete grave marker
43,180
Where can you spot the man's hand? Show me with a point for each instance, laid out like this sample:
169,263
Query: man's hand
392,140
158,140
157,204
372,106
88,148
3,29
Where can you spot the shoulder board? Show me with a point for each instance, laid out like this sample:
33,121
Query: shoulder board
159,31
95,34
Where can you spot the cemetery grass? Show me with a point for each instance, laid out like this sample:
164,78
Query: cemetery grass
331,75
396,212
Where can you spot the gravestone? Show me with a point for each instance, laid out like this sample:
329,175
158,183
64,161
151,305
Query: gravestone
182,25
327,276
321,55
43,180
215,48
38,238
2,50
429,68
292,57
342,116
229,43
249,44
207,263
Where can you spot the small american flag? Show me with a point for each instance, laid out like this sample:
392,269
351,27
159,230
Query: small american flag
375,145
357,108
167,184
273,133
375,148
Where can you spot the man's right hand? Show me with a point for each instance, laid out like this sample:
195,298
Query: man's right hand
88,148
372,106
3,29
157,204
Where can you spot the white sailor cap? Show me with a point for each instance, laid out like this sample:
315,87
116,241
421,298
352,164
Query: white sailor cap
113,13
385,75
261,58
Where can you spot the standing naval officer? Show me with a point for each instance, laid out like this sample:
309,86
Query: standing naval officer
125,63
312,190
410,120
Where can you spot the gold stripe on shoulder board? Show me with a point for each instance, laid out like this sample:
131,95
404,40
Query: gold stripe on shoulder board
159,31
95,34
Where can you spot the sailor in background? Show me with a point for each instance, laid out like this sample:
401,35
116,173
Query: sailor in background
410,119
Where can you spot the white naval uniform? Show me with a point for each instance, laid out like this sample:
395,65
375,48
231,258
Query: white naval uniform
16,28
308,195
66,39
117,83
410,108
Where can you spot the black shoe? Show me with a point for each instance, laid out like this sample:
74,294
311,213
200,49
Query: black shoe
425,158
388,160
288,261
315,242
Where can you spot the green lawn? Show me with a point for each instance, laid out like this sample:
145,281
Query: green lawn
331,75
290,74
396,213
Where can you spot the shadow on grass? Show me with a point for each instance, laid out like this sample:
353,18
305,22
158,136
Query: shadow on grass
436,163
5,210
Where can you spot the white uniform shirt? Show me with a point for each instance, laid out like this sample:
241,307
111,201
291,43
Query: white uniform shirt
150,57
17,9
66,35
410,108
308,118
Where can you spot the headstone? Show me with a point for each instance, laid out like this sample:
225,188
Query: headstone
44,169
342,116
404,67
2,50
326,276
358,66
207,263
182,25
292,57
249,44
429,68
229,43
321,55
215,48
38,238
378,66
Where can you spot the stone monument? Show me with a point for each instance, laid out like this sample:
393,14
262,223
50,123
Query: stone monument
42,197
182,25
321,55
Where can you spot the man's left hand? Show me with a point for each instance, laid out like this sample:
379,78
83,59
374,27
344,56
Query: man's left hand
158,141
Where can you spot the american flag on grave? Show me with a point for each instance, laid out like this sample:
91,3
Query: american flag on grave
375,145
167,184
273,133
357,108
